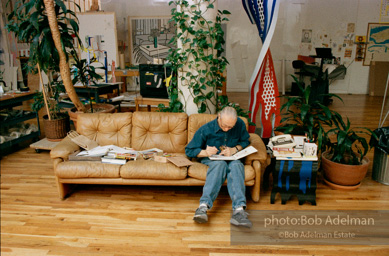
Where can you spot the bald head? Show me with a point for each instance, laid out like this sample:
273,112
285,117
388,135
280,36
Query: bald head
228,112
227,118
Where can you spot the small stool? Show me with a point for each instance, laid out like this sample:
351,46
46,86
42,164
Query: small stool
295,177
149,101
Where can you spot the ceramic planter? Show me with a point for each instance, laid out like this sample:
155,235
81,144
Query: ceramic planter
343,176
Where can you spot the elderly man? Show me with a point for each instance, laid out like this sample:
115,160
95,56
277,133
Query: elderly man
225,135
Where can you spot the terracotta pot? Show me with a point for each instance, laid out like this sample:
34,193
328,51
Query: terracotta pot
57,129
344,174
97,108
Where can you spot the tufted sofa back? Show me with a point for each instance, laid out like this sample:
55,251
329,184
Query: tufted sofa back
106,129
170,132
166,131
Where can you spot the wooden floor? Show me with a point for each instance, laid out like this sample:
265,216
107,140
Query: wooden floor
141,220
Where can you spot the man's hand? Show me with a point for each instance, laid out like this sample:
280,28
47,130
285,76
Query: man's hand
211,150
228,151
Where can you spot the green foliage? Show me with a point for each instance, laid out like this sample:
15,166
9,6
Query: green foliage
54,89
30,24
203,41
349,147
311,118
304,116
84,73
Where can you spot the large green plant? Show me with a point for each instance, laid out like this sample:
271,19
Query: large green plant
303,116
204,54
50,29
203,41
319,123
30,23
348,147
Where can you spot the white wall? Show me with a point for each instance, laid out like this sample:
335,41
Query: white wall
328,20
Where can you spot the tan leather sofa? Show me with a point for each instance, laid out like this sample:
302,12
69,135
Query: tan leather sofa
170,132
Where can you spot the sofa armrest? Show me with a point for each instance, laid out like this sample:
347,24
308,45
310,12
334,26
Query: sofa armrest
64,148
261,155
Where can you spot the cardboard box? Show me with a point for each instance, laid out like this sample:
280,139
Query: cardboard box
378,75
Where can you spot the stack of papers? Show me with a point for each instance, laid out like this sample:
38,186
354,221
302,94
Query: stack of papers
104,150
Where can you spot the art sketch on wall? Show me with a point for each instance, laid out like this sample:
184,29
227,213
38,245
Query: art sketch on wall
263,82
377,43
149,38
307,36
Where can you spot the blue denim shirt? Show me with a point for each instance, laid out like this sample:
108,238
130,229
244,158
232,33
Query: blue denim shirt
210,134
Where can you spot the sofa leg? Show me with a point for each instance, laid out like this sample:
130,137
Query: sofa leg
255,190
63,189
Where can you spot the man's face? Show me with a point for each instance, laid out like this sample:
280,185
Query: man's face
226,123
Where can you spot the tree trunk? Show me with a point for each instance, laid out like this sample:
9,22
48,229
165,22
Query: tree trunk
63,64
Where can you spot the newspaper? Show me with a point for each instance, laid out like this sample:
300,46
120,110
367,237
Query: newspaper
244,152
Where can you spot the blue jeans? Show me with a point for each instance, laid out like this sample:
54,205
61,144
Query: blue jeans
218,172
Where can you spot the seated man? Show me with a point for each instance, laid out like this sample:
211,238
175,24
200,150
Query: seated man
225,135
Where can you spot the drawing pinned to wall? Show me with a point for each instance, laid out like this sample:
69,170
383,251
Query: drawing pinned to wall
350,27
360,42
307,36
348,52
384,11
149,38
377,40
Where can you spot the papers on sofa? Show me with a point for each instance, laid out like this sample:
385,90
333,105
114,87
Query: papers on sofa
82,140
104,150
113,160
75,157
150,153
243,153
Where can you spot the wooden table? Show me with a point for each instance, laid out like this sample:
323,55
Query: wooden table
97,90
149,101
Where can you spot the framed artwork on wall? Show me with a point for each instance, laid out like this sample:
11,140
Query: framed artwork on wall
377,43
149,38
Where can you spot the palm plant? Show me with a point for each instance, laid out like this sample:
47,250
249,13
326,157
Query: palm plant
49,29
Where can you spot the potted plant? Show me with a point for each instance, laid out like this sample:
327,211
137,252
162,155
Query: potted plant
303,116
85,74
344,163
337,141
56,122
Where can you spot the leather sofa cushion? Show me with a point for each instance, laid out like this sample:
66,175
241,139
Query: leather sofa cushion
197,120
199,171
166,131
148,169
86,169
106,128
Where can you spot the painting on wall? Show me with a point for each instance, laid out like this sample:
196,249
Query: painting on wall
149,38
377,40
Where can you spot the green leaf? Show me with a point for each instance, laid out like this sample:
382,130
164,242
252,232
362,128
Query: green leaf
210,95
62,5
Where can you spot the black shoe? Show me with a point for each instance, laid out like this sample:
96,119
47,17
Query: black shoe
201,214
239,218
